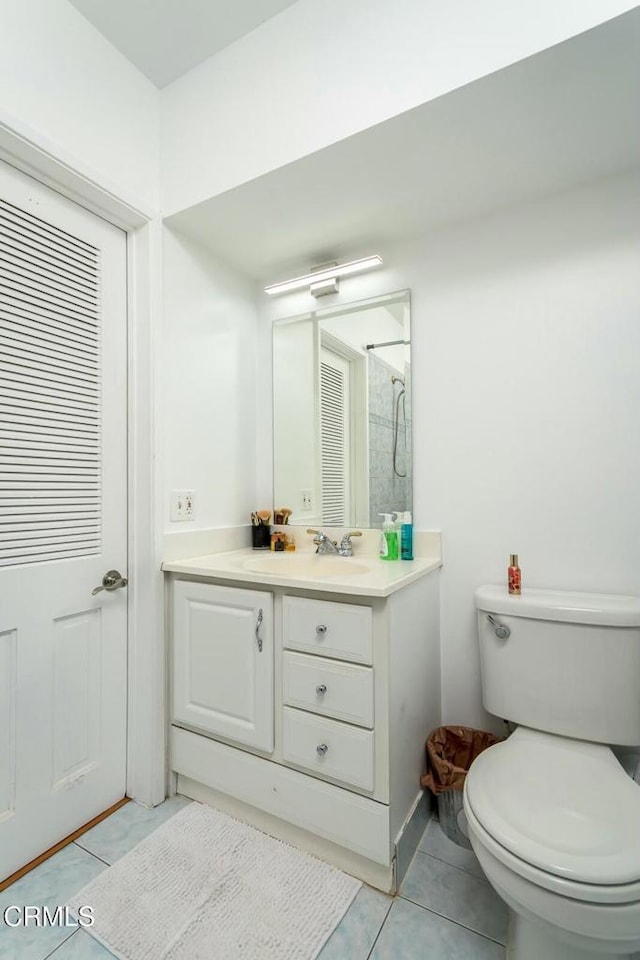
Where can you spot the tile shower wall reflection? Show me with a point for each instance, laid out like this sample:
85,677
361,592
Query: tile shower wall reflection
389,418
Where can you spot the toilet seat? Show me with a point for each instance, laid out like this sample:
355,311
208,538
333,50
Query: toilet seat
560,812
592,894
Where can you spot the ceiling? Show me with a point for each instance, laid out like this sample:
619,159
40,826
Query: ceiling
165,38
565,117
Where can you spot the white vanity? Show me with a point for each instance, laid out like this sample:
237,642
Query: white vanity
302,692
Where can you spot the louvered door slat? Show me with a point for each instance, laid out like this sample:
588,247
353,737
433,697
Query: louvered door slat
20,352
44,521
35,437
17,343
54,323
54,551
332,442
28,457
18,259
46,235
25,247
50,390
48,422
36,293
21,249
44,374
40,536
40,278
11,505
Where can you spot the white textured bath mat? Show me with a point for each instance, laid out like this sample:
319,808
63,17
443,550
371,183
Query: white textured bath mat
206,887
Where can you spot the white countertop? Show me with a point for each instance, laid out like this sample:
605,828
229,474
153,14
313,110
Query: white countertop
363,576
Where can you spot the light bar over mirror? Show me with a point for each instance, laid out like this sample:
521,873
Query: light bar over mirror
320,276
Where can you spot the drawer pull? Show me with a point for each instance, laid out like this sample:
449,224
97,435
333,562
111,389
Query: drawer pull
321,689
321,629
322,749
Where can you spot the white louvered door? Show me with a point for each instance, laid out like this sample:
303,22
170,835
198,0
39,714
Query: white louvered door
334,438
63,517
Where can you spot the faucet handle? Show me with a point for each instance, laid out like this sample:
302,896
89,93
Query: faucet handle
319,538
346,547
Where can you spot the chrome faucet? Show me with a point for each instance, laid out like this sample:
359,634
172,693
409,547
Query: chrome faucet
327,547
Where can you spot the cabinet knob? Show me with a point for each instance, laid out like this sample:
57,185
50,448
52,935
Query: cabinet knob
321,629
321,689
321,749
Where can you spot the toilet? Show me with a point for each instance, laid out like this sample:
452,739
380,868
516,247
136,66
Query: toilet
552,816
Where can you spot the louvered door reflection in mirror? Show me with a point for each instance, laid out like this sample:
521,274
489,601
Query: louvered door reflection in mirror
49,391
335,487
342,413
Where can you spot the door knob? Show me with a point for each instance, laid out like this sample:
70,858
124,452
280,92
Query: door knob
112,580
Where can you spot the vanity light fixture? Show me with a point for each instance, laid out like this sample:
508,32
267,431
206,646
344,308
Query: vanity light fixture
323,278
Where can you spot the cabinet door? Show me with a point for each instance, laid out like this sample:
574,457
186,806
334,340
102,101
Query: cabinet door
223,662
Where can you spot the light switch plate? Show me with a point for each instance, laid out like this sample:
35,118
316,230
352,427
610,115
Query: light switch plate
182,505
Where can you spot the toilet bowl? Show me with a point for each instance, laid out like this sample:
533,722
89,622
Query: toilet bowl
555,824
552,816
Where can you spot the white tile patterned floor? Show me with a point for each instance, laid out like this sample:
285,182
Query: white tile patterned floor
445,909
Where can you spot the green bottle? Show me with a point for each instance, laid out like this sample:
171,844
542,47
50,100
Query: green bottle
388,538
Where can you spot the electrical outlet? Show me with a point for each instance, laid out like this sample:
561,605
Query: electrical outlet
306,499
182,505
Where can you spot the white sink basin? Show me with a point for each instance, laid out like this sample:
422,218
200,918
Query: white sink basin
303,565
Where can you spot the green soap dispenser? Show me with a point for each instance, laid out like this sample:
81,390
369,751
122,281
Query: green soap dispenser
388,538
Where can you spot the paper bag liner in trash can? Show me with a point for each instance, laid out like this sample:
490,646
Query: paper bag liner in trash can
450,752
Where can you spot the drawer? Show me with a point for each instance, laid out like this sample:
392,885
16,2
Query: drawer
339,630
328,748
333,689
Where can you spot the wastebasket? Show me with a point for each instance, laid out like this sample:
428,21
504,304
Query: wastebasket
450,753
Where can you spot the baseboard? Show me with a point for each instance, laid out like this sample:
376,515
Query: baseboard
411,833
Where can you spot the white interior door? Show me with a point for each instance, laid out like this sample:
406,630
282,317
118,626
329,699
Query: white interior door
335,422
63,517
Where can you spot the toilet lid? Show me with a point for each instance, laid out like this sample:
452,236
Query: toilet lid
565,806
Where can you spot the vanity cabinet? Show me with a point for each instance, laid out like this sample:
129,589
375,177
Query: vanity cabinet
222,678
306,713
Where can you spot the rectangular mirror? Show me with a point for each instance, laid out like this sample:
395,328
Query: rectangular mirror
342,413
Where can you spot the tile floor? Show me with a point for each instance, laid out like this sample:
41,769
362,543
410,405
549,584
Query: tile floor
445,910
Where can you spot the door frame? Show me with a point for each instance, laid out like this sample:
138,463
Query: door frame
29,152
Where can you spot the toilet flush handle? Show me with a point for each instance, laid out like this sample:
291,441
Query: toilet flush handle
502,632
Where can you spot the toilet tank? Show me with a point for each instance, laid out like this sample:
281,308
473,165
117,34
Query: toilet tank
570,665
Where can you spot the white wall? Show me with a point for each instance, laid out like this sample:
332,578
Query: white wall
526,391
526,374
208,386
63,84
319,72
